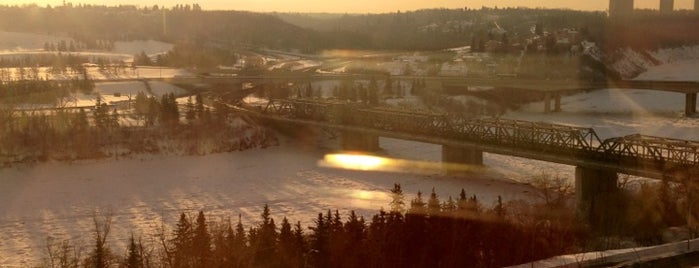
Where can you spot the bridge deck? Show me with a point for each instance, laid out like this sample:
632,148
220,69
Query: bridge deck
652,157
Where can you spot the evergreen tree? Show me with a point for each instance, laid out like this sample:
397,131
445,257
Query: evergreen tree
182,243
417,205
153,111
101,114
397,199
433,204
319,242
264,254
239,246
191,112
201,242
289,254
135,254
354,241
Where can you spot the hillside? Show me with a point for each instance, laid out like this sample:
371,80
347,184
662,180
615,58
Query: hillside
100,26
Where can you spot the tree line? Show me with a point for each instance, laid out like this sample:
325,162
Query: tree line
429,232
87,133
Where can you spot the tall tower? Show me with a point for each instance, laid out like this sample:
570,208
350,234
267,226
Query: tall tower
621,8
667,5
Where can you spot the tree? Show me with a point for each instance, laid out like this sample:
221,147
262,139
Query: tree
101,256
417,205
290,256
265,244
397,199
433,204
134,258
201,242
319,242
191,112
182,243
101,114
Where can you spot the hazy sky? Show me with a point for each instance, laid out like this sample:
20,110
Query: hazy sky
364,6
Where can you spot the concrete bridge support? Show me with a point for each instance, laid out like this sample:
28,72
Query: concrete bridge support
556,102
598,197
460,158
356,141
690,107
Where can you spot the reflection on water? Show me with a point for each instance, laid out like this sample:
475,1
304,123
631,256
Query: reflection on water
363,162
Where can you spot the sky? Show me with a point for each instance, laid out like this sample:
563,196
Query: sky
363,6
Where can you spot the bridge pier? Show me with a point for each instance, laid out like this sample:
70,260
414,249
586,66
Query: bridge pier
454,157
556,102
690,107
598,198
355,141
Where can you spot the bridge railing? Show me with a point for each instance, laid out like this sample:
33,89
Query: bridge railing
644,151
658,149
522,134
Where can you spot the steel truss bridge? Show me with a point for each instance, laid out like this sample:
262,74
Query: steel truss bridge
645,156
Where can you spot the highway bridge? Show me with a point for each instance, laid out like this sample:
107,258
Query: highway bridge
463,141
552,89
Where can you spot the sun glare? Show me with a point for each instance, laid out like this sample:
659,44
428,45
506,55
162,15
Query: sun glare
355,161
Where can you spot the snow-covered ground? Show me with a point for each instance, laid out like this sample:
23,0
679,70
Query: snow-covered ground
113,92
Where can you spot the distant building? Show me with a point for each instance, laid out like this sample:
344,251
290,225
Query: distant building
667,5
620,8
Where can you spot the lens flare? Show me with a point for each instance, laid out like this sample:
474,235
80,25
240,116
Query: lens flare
355,161
362,162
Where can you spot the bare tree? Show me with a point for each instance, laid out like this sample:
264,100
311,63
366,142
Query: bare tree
100,256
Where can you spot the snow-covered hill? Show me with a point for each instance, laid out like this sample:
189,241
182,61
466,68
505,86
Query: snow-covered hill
663,64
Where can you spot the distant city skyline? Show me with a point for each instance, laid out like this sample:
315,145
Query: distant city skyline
364,6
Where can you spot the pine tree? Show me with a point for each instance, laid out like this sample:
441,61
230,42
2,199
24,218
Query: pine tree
135,254
201,242
182,243
239,247
433,204
191,112
299,245
286,246
417,205
101,114
319,242
354,241
397,199
449,206
266,242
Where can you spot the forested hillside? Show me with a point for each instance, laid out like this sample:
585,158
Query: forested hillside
94,24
